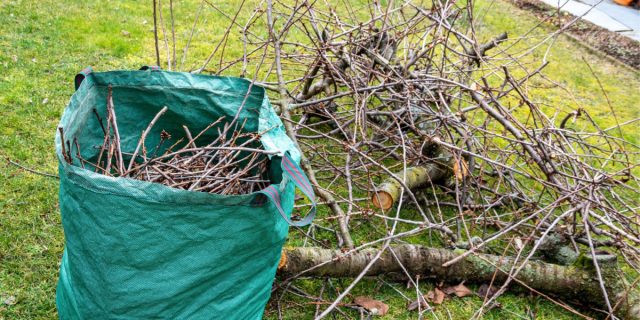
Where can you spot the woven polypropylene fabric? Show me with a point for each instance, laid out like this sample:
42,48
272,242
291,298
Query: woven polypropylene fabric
140,250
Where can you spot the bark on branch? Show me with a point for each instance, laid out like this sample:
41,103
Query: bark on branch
577,282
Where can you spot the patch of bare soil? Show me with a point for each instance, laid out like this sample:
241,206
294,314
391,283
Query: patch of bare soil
617,46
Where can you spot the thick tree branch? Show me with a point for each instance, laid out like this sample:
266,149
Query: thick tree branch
577,282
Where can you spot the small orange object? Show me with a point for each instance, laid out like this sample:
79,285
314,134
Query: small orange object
283,260
623,2
460,168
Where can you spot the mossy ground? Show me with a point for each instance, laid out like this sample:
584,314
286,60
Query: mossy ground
45,43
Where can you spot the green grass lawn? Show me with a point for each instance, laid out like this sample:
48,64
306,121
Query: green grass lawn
45,43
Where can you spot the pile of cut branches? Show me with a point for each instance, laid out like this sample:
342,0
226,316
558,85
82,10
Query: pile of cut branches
414,126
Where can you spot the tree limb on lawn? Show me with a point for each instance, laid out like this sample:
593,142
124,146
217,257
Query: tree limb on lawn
577,282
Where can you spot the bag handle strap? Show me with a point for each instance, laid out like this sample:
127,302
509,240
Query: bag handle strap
81,75
292,171
150,68
86,71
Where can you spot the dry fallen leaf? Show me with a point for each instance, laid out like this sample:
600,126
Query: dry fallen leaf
460,169
460,290
449,290
436,296
374,306
418,302
486,290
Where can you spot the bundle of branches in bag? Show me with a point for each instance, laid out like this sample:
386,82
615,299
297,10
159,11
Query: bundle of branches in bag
232,163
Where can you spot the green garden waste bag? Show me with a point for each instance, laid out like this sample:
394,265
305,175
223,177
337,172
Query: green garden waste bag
141,250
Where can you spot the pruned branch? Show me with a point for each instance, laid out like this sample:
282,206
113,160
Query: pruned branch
574,283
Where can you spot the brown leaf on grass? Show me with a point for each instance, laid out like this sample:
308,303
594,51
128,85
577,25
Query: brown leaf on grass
460,290
488,291
460,168
436,296
418,302
374,306
449,290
